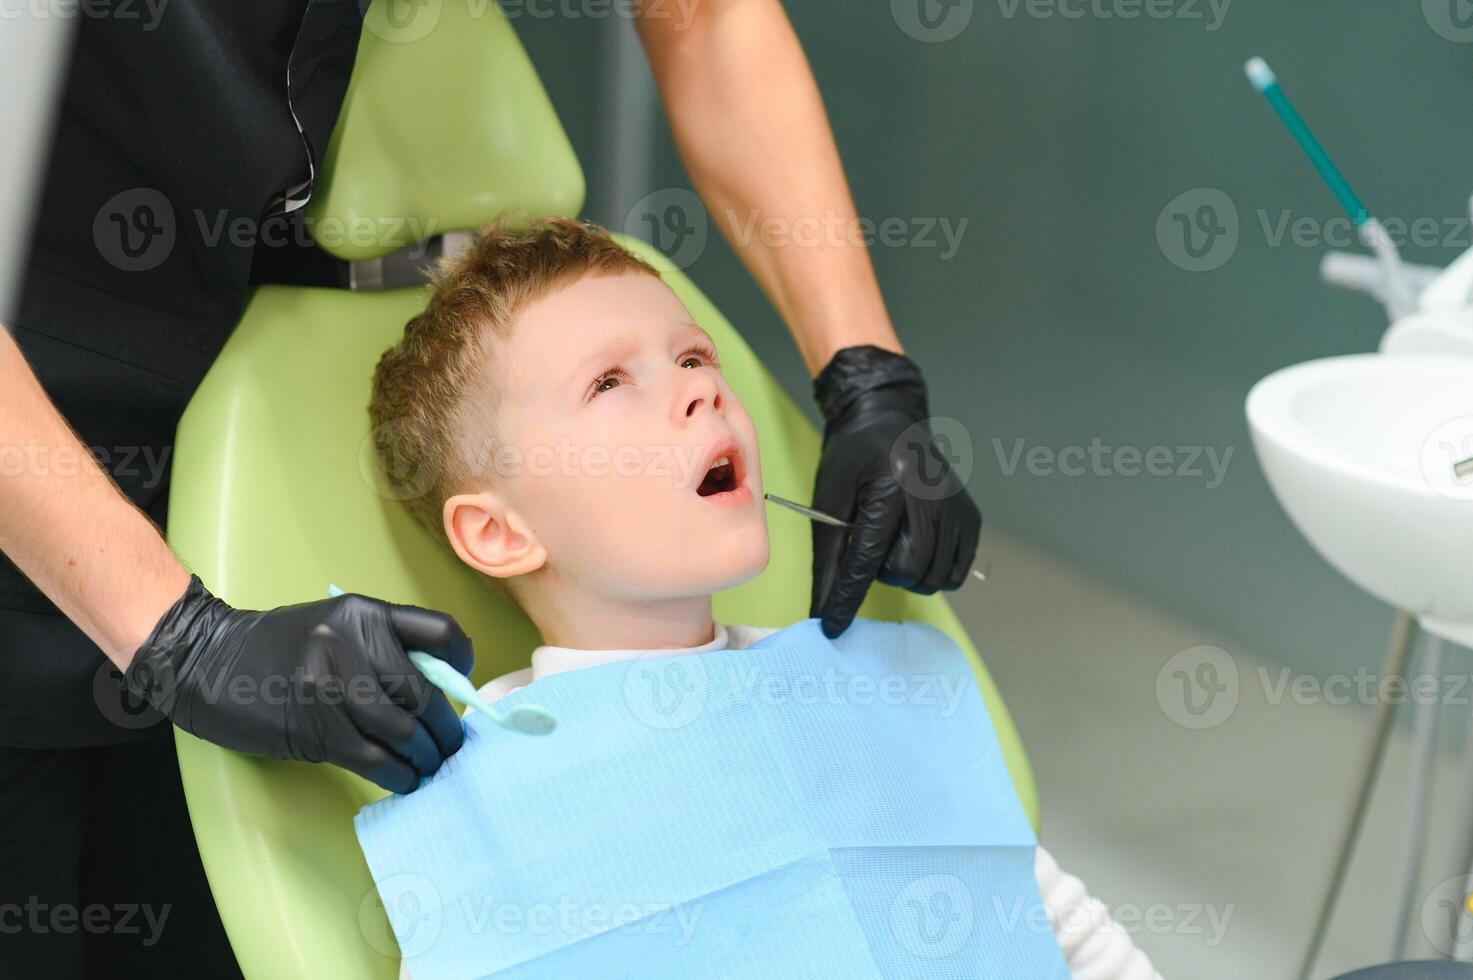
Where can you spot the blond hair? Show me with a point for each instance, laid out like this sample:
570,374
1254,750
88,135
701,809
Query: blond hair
435,392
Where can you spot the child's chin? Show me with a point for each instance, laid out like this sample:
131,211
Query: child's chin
740,569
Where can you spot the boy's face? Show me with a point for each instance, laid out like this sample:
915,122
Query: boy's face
613,410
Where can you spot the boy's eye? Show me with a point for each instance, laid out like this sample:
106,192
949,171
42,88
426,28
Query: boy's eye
698,356
607,381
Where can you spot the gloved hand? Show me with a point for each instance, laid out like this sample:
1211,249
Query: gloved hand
325,681
915,525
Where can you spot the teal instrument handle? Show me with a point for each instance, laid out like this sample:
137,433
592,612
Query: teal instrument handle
1266,82
527,719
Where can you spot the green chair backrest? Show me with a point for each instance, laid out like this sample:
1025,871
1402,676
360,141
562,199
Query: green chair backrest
276,491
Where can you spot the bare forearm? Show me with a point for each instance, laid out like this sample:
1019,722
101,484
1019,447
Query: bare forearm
68,527
751,128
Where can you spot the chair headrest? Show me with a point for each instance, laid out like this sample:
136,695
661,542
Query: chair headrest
444,125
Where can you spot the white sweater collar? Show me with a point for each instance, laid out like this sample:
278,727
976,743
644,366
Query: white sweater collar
549,660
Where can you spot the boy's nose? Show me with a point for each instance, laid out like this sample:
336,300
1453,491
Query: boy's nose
700,393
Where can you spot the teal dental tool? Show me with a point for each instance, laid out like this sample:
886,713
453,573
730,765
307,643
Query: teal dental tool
1400,298
527,719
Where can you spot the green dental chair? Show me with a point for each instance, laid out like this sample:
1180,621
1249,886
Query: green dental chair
276,494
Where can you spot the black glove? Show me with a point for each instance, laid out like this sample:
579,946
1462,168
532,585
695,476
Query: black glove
326,681
915,525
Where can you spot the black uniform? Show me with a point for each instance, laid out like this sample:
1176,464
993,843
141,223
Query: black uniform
181,124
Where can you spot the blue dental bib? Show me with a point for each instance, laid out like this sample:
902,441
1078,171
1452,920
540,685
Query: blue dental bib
803,809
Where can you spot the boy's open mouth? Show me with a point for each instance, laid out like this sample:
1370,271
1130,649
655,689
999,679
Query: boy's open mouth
723,473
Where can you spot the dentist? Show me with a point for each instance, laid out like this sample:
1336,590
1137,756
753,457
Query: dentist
224,108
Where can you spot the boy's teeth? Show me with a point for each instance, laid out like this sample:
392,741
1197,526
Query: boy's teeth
721,461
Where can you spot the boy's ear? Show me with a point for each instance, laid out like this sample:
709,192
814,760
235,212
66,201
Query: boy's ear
490,537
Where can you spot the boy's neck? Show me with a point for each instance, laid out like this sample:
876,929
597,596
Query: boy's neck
597,623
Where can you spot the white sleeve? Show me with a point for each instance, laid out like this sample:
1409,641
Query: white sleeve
1095,945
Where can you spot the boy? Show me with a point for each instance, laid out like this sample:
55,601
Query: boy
578,446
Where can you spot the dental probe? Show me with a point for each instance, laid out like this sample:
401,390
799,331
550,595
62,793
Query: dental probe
817,515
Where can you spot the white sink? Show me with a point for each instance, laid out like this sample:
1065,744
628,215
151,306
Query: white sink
1360,451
